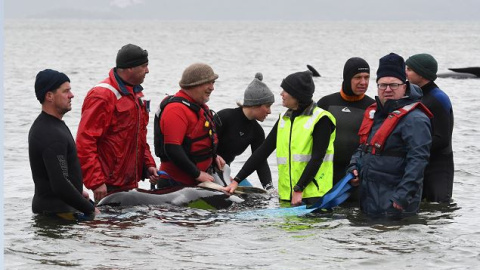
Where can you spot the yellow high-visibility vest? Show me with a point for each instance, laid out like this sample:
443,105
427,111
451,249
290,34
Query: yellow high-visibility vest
294,150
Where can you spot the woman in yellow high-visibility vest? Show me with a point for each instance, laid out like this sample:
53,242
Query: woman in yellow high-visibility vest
303,137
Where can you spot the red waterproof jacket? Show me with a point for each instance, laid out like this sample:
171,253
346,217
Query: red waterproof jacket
112,135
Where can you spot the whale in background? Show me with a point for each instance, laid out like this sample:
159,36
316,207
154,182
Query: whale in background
461,73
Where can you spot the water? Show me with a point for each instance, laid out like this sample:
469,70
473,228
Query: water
441,237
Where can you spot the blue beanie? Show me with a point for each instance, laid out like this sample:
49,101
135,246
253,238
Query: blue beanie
392,65
48,80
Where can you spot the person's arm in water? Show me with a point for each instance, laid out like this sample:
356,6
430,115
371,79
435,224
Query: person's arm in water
260,155
263,171
56,164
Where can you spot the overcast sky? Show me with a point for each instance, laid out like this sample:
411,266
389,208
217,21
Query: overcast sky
466,10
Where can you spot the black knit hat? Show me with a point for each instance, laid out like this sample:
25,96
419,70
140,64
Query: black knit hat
352,67
392,65
48,80
300,86
424,65
131,56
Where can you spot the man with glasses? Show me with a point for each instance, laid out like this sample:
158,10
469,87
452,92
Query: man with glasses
112,134
395,139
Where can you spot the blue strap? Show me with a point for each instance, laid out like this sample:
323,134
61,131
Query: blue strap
335,196
163,173
245,183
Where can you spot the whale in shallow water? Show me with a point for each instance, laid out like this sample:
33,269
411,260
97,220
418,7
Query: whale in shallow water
182,196
461,73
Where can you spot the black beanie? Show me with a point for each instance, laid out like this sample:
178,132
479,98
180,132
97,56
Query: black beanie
300,86
131,56
352,67
392,65
48,80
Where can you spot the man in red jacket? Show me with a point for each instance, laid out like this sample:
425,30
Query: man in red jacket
112,134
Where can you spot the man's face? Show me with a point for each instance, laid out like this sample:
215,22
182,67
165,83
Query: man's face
201,93
62,98
137,74
385,91
413,77
359,83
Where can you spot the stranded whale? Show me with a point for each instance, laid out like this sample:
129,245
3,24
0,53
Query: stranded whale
196,197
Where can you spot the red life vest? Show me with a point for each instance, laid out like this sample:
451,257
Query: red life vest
199,145
376,144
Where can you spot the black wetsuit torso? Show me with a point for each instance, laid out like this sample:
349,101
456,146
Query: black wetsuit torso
438,176
55,168
349,116
235,133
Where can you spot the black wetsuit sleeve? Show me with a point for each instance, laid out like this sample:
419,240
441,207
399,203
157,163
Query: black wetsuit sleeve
321,138
263,171
441,136
56,164
323,103
260,155
177,155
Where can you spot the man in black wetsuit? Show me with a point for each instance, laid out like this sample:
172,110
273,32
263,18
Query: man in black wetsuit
238,128
348,106
53,156
438,177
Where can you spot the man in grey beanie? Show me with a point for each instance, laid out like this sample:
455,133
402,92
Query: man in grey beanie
438,177
240,125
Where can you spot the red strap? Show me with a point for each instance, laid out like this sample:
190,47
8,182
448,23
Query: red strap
378,140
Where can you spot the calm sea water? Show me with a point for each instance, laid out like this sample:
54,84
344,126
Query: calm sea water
441,237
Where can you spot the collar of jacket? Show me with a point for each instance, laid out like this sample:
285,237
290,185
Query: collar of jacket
428,87
306,111
123,85
351,98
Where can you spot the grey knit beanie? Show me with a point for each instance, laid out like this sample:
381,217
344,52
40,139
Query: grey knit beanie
197,74
257,93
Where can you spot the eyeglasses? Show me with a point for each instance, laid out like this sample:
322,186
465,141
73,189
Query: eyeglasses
393,86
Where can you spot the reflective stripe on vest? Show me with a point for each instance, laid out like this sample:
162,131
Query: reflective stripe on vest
111,88
294,151
377,142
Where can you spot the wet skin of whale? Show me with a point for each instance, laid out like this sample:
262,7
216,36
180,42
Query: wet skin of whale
183,196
